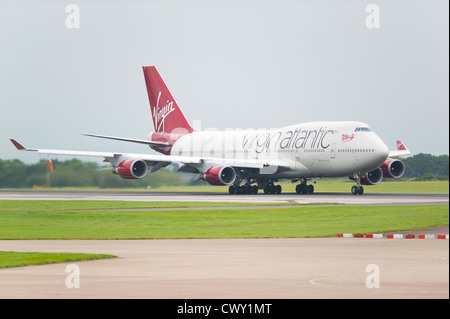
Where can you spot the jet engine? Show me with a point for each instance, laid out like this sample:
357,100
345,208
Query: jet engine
373,177
220,175
393,168
131,169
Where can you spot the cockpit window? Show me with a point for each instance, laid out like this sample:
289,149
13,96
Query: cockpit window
363,129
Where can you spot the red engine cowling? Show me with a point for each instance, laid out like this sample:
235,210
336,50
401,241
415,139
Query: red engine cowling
393,168
131,169
220,175
373,177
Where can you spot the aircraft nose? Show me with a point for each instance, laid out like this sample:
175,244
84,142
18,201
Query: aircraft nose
381,150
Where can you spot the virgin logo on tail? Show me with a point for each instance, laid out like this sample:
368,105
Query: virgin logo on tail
160,114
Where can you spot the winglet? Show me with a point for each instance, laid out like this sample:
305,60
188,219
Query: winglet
402,150
17,145
401,146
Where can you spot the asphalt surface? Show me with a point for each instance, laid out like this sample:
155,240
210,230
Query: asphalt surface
335,198
289,268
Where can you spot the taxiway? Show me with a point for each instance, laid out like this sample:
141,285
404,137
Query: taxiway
235,268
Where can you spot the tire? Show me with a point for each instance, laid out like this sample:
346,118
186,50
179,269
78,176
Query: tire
354,190
310,189
301,189
278,189
360,190
304,189
255,189
273,189
232,190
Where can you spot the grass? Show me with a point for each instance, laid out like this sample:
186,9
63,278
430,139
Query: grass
17,259
231,223
91,220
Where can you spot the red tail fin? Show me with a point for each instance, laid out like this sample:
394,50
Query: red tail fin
167,115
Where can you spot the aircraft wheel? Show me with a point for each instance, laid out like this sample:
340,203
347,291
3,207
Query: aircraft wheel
232,190
273,189
255,189
360,190
278,189
357,190
301,189
310,189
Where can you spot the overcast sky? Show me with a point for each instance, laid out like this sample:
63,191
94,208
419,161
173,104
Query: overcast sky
230,64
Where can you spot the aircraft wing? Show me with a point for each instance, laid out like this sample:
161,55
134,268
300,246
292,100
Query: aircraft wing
400,151
199,164
132,140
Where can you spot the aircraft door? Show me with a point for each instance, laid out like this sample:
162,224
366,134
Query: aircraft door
333,151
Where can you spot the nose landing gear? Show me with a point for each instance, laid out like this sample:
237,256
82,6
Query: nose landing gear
357,189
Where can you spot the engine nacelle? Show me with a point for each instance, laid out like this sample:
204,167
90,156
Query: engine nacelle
131,169
220,175
373,177
393,168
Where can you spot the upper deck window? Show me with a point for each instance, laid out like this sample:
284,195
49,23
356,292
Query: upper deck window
363,129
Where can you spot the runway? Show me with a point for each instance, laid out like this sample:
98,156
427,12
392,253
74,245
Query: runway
331,198
290,268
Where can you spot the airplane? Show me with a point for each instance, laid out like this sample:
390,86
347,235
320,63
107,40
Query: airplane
250,160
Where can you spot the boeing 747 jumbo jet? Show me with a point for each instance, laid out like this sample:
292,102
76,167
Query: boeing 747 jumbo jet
246,160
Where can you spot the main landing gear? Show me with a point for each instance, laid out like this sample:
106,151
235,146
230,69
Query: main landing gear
245,189
272,189
303,188
269,188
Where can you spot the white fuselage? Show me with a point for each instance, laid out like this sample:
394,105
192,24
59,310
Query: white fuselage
316,149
